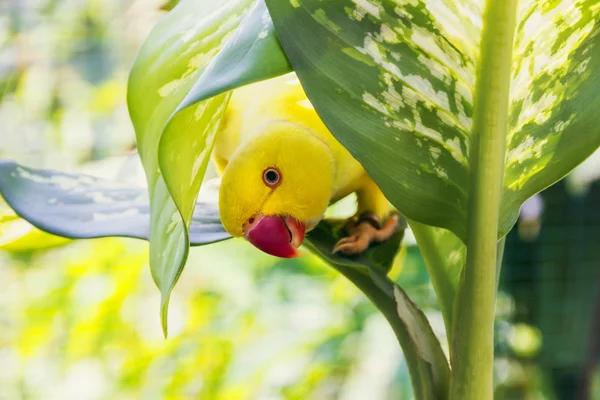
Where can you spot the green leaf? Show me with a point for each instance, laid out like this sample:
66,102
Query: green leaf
368,271
173,57
444,254
80,206
394,82
201,49
394,91
252,54
554,121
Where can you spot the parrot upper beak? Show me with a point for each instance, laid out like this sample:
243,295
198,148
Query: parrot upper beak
275,235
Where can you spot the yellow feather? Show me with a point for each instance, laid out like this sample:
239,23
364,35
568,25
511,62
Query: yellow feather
273,124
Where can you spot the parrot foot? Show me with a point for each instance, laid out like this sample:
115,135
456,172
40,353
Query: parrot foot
367,230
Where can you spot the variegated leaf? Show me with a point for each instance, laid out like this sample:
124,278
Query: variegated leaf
230,44
172,58
252,54
554,119
81,206
394,82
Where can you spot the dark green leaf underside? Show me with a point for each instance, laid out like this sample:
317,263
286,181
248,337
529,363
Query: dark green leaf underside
427,363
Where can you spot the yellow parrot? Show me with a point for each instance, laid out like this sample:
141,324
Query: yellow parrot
281,168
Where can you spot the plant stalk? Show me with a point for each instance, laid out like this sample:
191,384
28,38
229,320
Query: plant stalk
473,355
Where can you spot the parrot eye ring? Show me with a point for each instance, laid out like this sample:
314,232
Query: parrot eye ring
271,177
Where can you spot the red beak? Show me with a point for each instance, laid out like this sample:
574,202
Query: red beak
275,235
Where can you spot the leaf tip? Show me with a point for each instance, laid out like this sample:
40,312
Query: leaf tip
164,314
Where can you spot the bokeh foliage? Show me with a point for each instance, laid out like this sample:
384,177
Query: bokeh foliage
243,326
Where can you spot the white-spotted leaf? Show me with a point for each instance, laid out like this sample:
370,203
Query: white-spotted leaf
394,80
178,96
252,54
173,57
554,119
81,206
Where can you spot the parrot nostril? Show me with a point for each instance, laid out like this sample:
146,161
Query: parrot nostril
291,235
250,223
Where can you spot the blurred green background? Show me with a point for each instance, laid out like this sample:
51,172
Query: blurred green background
79,320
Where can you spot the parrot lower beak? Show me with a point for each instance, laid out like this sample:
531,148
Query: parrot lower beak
275,235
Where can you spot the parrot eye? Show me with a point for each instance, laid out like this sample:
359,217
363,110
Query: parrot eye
272,177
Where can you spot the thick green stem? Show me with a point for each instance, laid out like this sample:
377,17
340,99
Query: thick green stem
473,355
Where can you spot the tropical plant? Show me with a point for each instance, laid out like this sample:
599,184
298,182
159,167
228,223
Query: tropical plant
459,110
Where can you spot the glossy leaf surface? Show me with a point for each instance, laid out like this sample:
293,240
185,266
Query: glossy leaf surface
82,206
172,59
199,50
252,54
394,82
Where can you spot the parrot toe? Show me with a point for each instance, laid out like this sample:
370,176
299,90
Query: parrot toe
364,232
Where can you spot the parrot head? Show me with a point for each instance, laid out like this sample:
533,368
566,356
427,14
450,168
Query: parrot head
276,187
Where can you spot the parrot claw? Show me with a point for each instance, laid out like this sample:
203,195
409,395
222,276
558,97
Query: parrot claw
364,232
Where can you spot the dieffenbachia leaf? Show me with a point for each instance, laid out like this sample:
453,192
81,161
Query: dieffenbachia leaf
445,255
394,90
394,82
81,206
425,358
554,119
173,57
252,54
201,49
